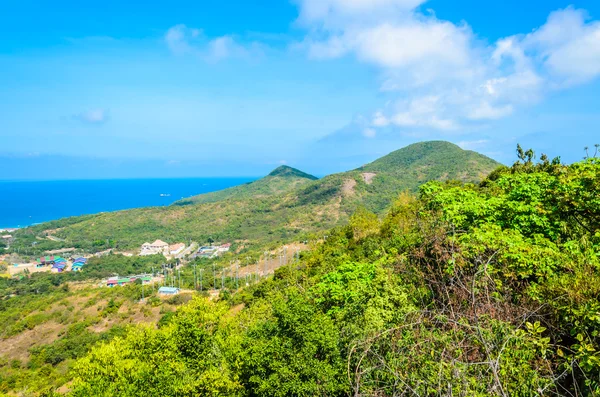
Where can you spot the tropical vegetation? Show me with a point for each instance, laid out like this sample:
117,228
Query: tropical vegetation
468,289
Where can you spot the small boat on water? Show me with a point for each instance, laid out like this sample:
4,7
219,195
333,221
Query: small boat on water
165,195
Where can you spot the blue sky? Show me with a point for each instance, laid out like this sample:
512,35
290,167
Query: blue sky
229,88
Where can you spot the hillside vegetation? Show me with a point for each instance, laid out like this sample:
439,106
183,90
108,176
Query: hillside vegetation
486,289
287,204
281,180
47,321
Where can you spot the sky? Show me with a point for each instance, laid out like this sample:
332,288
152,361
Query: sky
116,89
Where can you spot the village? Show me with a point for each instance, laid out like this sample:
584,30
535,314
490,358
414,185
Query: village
65,260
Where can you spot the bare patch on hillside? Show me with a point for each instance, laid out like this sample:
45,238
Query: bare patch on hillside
368,177
348,188
17,347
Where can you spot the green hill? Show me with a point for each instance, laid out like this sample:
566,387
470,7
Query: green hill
282,206
377,184
281,180
433,160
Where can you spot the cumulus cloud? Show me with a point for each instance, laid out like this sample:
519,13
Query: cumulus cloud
438,74
568,46
93,116
179,38
182,40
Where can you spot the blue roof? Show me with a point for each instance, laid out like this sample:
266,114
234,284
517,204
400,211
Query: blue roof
168,290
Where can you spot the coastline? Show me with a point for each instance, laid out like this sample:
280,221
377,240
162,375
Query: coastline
28,203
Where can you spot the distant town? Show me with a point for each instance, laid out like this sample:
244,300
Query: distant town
65,260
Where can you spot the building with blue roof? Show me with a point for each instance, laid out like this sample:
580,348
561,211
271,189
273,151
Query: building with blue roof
168,291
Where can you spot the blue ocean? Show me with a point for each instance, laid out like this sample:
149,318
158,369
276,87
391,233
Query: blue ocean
24,203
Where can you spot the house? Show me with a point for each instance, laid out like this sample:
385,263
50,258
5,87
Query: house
50,260
157,247
176,249
168,291
112,281
125,280
120,281
58,267
224,247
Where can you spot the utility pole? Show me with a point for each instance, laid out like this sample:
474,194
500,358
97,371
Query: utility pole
285,255
214,277
195,278
201,271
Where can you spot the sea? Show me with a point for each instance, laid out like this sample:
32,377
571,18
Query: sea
26,203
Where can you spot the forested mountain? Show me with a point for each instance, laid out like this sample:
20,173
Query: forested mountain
287,204
281,180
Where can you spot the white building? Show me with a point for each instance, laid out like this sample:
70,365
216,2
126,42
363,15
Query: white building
176,249
157,247
224,247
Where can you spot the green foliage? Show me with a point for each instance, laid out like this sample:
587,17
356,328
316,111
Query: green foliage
488,289
468,289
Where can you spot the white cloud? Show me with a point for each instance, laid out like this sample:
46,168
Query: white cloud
93,116
178,39
182,40
412,43
484,110
568,46
379,120
441,75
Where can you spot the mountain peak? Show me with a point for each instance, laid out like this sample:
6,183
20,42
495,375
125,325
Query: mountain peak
429,153
287,172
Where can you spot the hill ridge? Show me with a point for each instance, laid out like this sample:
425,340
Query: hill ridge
287,171
284,205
